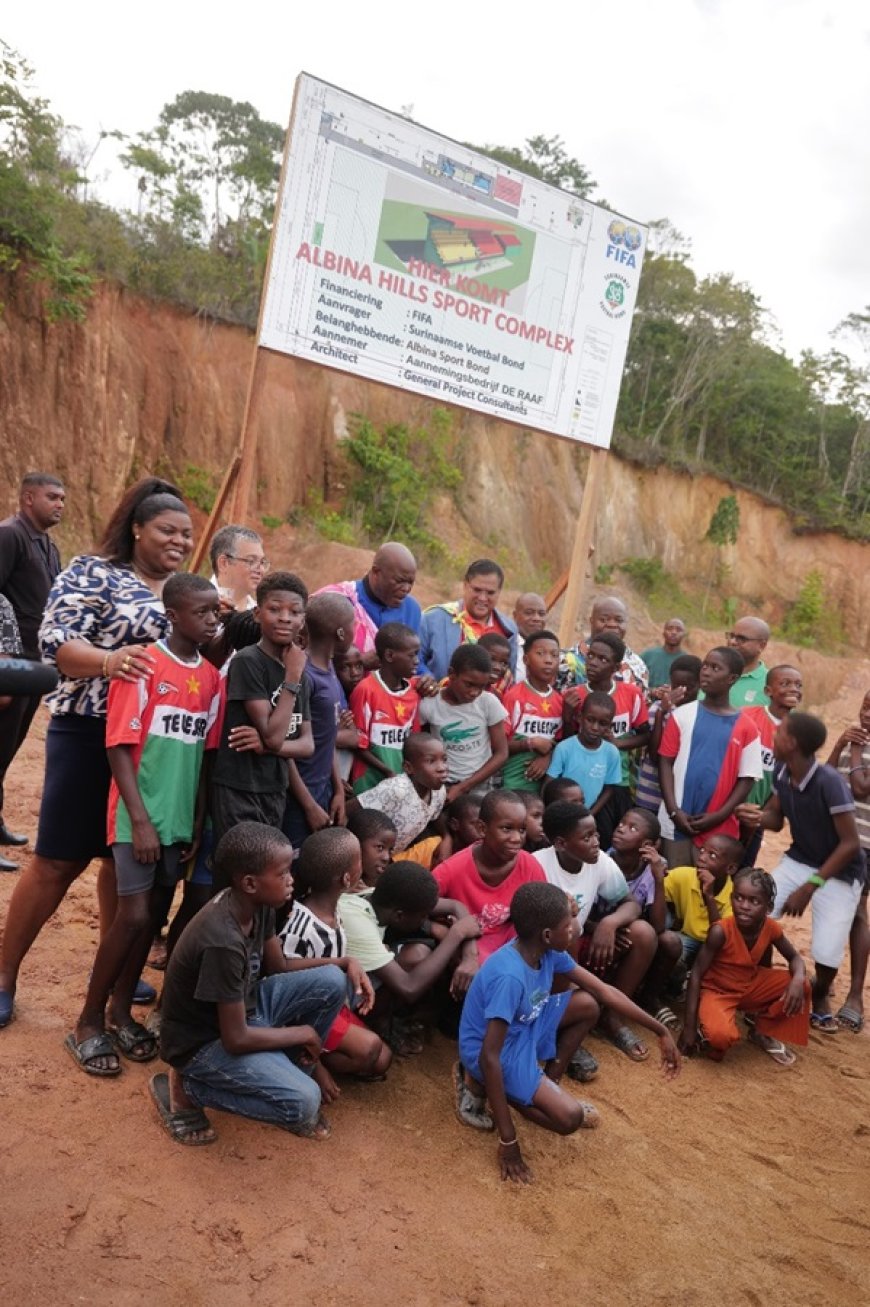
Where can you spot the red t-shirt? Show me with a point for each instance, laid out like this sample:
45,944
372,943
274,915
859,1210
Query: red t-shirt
458,878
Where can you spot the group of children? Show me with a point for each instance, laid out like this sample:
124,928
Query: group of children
365,855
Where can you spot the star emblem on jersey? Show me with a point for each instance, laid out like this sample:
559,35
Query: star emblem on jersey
192,685
401,710
545,705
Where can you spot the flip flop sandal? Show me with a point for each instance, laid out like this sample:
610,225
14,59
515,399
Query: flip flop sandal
668,1017
848,1018
583,1067
183,1124
127,1039
591,1116
776,1049
628,1043
86,1053
824,1022
470,1109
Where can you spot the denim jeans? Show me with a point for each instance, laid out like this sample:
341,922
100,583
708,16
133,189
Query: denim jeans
269,1086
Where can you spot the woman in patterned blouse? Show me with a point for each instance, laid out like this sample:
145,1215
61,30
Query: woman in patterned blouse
103,611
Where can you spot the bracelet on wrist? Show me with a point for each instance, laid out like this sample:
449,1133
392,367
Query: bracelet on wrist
861,767
507,1143
815,879
292,687
106,665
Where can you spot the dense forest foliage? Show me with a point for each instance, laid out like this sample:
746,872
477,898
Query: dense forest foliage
704,386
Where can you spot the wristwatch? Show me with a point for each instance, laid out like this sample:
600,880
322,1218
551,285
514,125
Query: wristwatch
292,687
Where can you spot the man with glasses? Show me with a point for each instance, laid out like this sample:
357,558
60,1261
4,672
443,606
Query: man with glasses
238,565
749,637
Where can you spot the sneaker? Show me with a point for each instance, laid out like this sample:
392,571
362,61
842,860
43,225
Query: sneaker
470,1108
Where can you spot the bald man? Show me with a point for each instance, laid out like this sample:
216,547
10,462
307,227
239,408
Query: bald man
608,613
382,595
749,637
530,615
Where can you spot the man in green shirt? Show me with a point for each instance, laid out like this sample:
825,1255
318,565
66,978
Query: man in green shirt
749,637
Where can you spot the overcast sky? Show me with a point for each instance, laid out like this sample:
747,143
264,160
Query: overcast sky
743,121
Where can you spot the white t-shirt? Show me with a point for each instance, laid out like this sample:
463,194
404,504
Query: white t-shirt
601,879
410,814
463,728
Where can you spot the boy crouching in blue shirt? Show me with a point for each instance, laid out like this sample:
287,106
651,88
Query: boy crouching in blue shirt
525,1015
242,1029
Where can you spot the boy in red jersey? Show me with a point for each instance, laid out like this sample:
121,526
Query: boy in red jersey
385,707
784,688
534,712
156,735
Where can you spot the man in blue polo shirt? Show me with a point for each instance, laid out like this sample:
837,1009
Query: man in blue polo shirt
382,595
823,866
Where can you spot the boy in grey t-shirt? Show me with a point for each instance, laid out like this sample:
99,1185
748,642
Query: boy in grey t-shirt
469,720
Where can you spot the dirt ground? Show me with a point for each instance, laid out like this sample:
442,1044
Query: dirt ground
736,1184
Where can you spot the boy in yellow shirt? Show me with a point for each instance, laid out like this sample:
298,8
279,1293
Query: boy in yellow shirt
699,896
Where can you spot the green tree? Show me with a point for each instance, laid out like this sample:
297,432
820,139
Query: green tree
36,181
546,158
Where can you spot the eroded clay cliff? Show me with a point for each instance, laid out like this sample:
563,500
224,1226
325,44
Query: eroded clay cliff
141,386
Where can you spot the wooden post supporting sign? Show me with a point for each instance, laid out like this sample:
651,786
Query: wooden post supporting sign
582,541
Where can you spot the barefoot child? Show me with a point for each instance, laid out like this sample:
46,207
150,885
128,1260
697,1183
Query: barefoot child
156,735
512,1022
328,866
730,976
243,1026
534,711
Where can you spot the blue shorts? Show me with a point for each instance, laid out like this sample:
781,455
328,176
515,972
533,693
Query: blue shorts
523,1050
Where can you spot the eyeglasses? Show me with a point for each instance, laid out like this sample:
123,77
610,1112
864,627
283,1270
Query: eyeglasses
252,564
739,639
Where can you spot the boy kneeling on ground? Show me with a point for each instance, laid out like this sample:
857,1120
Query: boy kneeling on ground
242,1029
525,1015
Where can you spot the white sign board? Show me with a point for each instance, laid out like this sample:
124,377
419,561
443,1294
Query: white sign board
400,256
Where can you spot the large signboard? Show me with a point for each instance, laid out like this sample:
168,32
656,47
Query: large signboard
402,257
